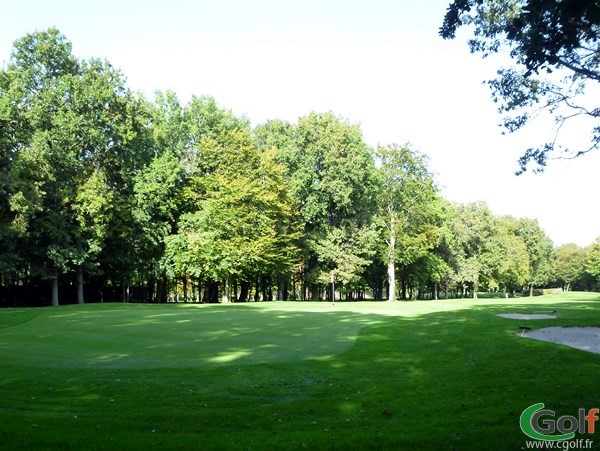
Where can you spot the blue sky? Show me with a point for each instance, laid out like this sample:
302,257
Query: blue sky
379,63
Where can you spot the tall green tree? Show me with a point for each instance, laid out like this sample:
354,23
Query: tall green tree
187,142
570,265
332,175
40,71
159,199
407,201
76,126
101,129
242,225
12,226
593,261
541,253
159,188
473,253
512,269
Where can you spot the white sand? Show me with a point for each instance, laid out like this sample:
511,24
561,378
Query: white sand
585,338
526,316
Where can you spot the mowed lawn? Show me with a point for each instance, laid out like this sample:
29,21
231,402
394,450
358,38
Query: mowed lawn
406,375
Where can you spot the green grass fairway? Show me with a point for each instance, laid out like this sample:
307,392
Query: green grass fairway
155,336
405,375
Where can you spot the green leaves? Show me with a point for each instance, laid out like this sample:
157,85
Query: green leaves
240,219
334,172
408,201
70,153
408,208
42,57
93,208
344,252
473,250
593,262
571,261
333,179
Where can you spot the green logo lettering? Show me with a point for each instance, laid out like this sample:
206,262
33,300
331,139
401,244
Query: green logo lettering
530,426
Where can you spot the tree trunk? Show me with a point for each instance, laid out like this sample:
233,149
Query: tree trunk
392,263
206,296
150,295
55,290
185,288
435,291
414,294
125,292
225,295
377,290
280,287
162,290
267,291
257,290
80,299
530,290
244,285
392,280
314,293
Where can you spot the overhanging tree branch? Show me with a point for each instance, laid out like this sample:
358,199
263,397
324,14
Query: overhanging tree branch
542,37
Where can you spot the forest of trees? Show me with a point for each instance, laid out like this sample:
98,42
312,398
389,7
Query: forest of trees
109,196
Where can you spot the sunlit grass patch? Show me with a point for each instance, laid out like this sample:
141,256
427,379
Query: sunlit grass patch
121,336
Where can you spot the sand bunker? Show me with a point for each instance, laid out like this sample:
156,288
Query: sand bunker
527,316
585,338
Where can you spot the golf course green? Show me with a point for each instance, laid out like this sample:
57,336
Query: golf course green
288,375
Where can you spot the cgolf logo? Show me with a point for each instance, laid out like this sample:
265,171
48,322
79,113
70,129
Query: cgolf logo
539,423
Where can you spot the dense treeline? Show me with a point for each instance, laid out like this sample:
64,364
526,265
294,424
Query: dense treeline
109,196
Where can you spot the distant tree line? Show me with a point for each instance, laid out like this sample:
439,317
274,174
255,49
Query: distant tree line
109,196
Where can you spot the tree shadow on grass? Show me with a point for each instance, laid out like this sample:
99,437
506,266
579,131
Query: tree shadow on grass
460,380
